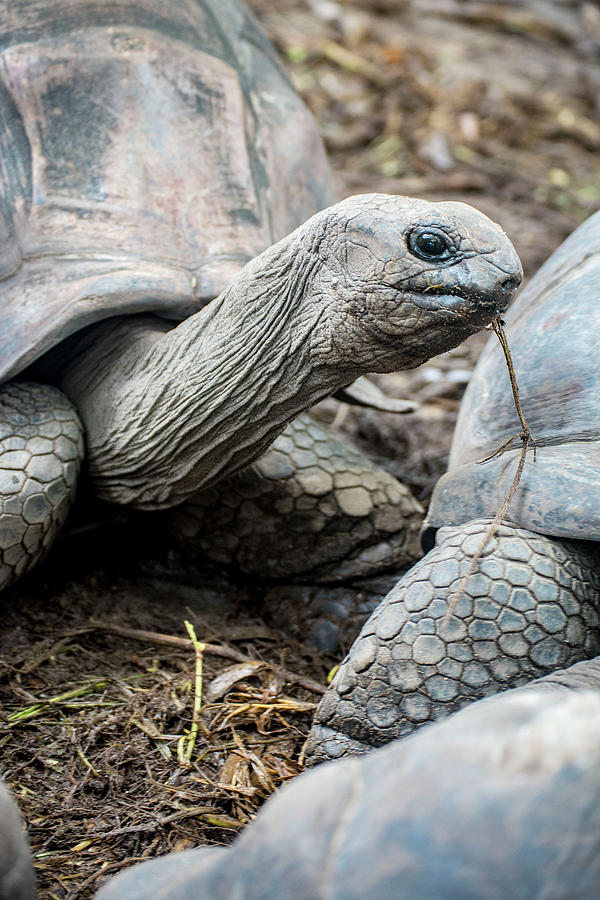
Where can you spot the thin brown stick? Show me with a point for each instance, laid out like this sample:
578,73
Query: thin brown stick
527,441
156,823
171,640
525,434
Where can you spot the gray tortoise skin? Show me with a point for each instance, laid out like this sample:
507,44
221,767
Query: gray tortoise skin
532,603
17,880
171,265
499,800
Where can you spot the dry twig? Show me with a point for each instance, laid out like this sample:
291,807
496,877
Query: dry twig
527,441
170,640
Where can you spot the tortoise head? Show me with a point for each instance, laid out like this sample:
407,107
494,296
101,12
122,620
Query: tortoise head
404,279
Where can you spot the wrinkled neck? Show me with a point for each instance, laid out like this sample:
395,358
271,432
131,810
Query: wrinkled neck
170,412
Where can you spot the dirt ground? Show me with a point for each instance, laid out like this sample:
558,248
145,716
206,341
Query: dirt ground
493,103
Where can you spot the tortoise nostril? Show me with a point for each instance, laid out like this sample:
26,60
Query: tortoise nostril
511,284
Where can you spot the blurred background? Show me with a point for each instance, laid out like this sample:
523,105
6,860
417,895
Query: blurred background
493,103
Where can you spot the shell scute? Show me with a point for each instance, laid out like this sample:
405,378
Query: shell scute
142,162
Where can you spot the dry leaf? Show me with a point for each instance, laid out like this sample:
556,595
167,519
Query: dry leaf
230,676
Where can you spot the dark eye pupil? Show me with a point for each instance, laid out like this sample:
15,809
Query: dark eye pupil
431,244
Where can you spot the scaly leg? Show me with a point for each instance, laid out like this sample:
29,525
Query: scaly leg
530,608
41,448
310,506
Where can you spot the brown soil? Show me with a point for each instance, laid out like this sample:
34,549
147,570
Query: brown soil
95,722
492,103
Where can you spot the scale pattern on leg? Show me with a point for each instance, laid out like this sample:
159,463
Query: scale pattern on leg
530,608
41,448
309,505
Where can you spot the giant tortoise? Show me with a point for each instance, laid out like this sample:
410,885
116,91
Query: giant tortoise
149,151
531,605
501,800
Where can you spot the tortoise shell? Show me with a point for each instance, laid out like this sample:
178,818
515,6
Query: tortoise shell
147,151
553,332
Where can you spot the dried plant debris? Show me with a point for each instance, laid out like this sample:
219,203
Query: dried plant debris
120,743
407,99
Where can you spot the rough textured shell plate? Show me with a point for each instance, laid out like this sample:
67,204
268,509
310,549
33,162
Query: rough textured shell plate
147,151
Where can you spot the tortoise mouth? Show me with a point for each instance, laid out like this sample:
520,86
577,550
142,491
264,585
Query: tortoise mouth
498,296
462,309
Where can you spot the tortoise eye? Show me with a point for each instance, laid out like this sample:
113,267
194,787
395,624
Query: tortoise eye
430,245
